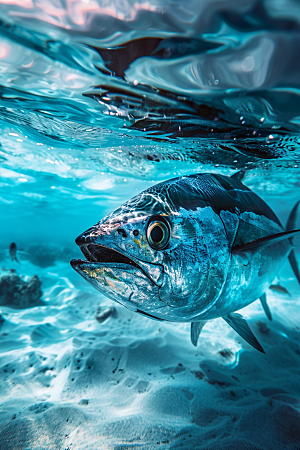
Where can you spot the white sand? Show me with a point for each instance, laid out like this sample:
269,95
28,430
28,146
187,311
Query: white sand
70,382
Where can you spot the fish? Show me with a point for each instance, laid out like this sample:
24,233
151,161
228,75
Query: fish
280,289
13,252
190,249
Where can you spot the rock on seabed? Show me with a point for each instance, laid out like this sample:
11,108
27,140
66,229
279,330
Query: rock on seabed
18,293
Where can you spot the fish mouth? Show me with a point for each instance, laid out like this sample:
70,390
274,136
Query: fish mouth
96,253
133,284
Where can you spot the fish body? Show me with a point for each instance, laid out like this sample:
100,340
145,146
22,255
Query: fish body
178,250
280,289
13,252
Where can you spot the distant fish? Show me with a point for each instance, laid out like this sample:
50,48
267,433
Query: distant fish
13,252
190,249
226,353
280,289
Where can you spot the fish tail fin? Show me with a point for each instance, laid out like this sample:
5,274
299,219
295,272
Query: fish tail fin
16,259
290,225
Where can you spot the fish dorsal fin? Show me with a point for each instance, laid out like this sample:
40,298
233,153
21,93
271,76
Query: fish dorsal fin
239,324
258,244
240,175
265,306
196,328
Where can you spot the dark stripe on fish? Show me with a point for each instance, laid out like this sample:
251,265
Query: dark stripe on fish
149,315
225,194
218,191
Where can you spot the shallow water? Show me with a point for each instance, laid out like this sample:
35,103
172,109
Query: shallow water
100,100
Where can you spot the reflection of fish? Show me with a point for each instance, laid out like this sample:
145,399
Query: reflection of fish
279,289
189,249
13,252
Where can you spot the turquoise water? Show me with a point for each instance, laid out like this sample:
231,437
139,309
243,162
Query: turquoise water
100,100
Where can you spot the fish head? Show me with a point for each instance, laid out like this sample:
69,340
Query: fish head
150,255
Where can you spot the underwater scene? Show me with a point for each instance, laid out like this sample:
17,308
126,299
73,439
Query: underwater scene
149,225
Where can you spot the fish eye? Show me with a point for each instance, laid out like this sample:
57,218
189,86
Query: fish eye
158,232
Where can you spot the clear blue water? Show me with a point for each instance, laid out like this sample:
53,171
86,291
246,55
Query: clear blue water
100,100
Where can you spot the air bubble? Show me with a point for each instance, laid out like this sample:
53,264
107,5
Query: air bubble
272,138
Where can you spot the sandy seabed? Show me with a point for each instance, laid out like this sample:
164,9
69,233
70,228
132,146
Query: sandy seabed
68,381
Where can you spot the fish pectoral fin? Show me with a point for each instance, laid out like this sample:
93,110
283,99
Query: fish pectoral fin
258,244
239,324
264,304
196,328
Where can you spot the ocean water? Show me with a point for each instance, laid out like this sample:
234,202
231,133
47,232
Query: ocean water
100,100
